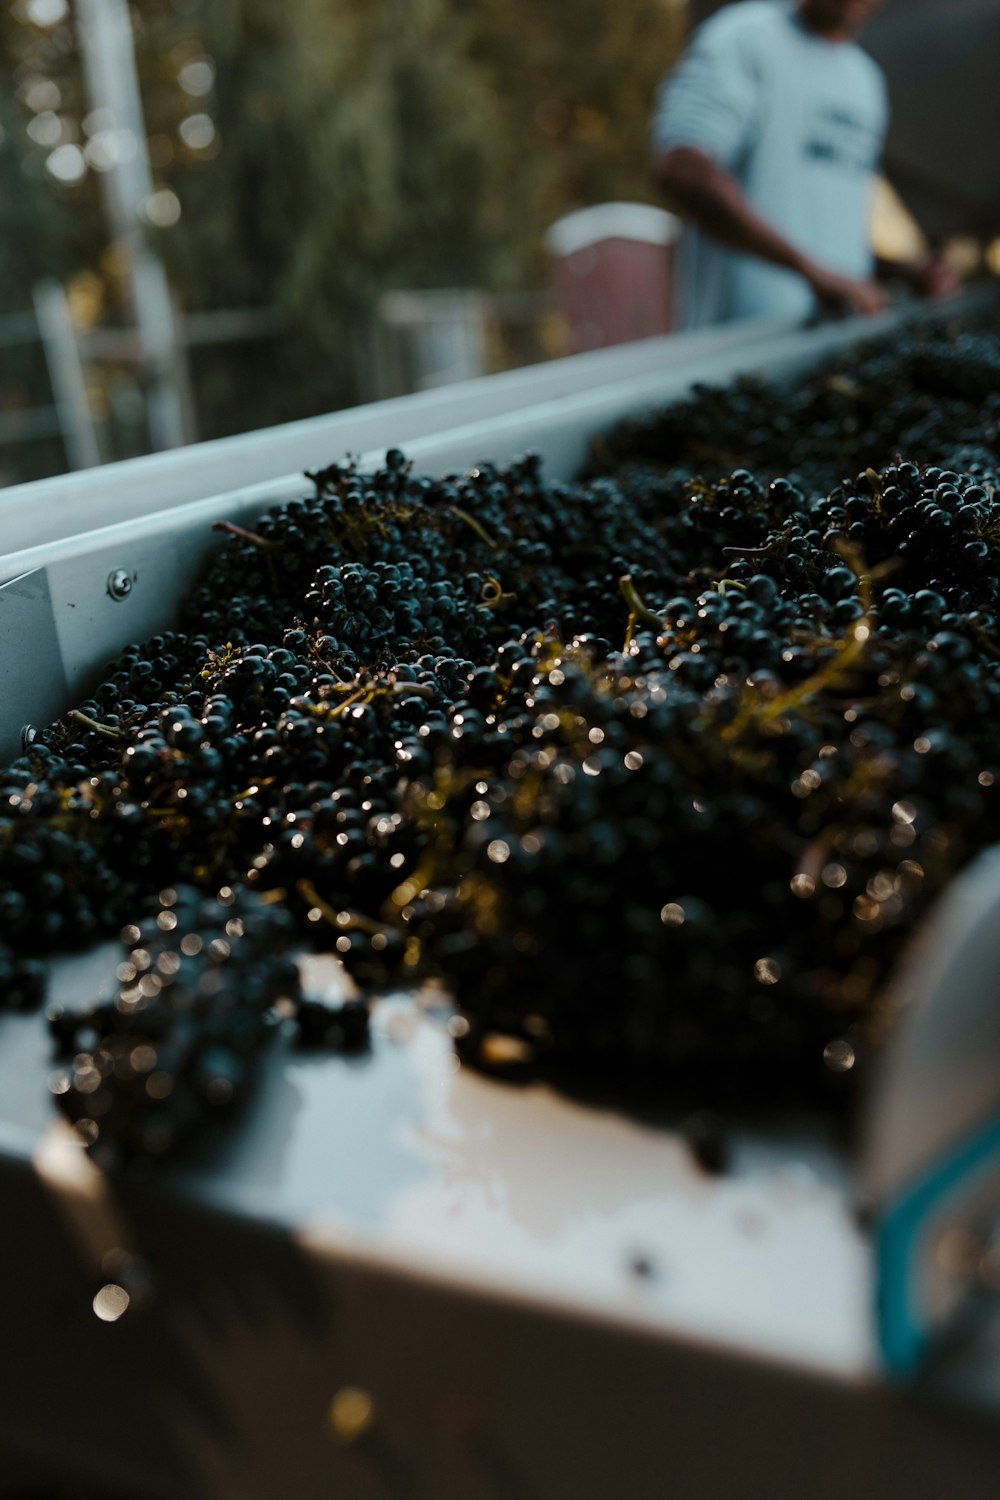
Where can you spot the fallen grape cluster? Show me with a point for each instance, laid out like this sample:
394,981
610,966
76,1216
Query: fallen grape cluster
179,1037
657,771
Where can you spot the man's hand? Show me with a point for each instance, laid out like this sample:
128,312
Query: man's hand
699,189
844,295
933,277
928,277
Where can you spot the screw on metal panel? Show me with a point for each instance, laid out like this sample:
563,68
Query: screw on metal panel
642,1266
28,736
119,584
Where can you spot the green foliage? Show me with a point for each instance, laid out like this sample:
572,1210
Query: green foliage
359,146
572,91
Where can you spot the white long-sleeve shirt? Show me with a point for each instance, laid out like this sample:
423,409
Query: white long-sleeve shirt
800,122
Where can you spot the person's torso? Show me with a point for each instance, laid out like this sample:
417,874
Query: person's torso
807,168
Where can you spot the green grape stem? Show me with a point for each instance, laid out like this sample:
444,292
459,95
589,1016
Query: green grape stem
481,532
843,386
108,730
344,921
635,602
265,544
746,551
493,595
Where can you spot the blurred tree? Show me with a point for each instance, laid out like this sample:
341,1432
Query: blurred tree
39,233
52,219
572,89
309,156
355,155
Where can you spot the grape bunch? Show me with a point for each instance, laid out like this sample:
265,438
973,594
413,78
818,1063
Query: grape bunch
392,609
929,394
199,989
728,875
656,771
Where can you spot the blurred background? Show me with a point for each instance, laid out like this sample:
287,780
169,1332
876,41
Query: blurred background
218,215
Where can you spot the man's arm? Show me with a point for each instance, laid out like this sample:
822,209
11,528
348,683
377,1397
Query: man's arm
929,276
711,197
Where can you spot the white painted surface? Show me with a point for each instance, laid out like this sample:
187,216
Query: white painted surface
405,1158
611,221
69,504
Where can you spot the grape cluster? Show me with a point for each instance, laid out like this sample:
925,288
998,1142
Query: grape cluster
656,771
931,393
731,870
392,608
175,1047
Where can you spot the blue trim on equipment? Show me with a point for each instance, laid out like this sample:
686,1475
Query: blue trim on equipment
903,1331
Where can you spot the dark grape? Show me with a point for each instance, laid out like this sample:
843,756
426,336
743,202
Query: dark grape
657,770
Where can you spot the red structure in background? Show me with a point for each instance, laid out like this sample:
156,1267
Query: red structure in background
613,265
